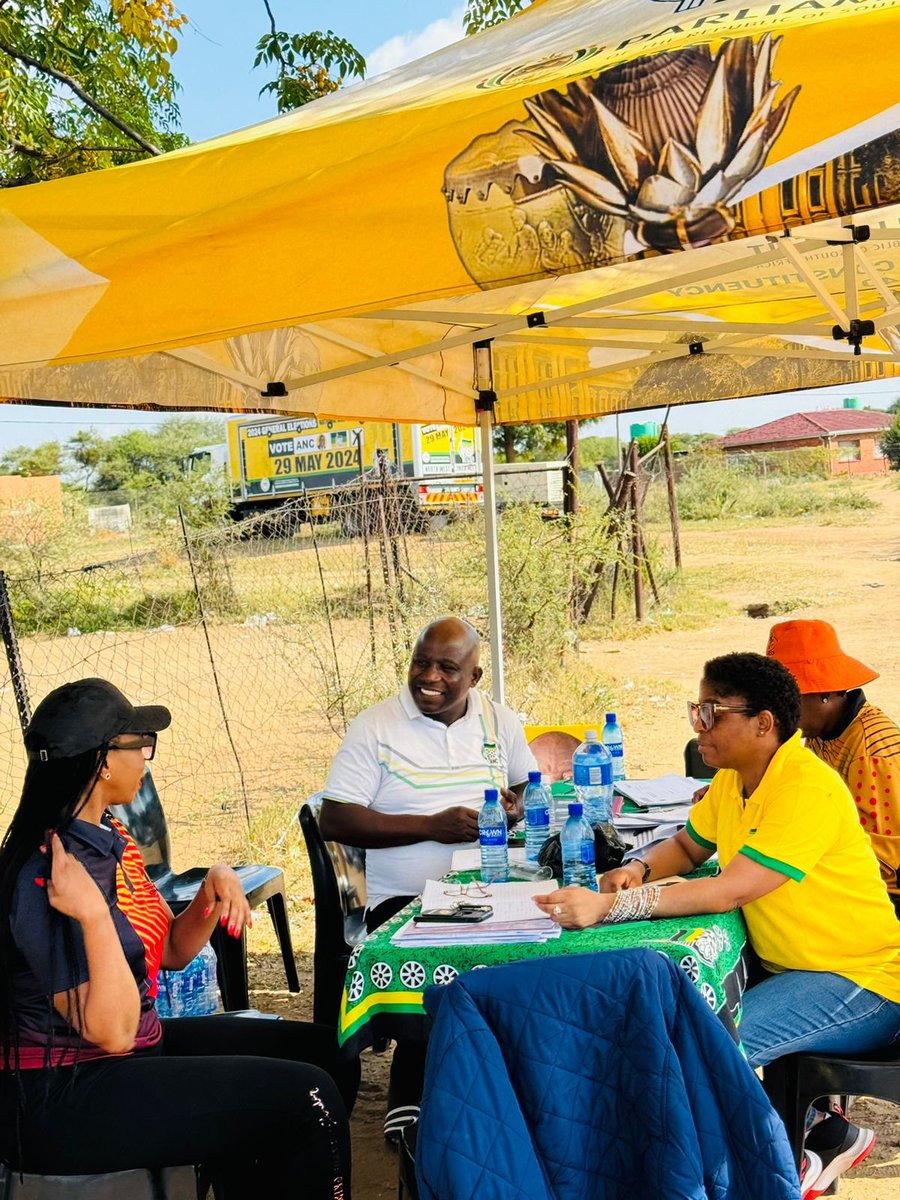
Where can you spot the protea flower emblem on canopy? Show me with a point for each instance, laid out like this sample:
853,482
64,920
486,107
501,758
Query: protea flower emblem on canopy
666,142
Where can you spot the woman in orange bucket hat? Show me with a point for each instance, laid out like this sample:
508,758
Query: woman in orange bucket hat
845,731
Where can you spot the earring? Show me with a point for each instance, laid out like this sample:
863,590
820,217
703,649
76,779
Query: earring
824,699
107,774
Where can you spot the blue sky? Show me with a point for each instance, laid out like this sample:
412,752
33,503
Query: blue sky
220,92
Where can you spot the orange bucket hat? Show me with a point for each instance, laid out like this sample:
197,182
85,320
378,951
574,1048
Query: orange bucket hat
811,652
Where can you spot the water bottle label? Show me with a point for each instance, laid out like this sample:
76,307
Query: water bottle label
588,776
587,853
537,818
617,750
494,835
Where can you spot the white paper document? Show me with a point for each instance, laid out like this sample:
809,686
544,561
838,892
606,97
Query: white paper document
515,916
666,791
652,817
510,901
644,837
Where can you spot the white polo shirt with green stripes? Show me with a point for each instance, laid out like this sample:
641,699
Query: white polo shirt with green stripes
395,760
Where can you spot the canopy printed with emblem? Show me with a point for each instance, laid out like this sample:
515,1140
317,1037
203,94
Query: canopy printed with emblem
637,201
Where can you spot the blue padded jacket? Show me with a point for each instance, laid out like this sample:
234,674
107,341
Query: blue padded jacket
593,1077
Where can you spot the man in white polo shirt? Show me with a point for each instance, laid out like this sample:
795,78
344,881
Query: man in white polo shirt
407,784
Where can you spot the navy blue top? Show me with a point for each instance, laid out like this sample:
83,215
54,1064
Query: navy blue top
50,950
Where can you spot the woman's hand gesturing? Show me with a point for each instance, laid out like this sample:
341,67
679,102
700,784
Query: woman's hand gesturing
222,887
70,889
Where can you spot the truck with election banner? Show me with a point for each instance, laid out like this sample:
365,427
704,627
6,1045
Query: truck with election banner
272,460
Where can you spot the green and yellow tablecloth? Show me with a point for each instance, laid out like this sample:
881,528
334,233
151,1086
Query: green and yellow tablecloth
385,983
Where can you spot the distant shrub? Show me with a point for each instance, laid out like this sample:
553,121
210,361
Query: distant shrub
712,487
808,462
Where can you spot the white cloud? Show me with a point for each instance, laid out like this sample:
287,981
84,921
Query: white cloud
406,47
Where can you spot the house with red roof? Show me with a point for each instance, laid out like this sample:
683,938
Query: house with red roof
852,435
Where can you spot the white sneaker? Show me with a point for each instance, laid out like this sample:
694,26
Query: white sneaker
839,1145
810,1170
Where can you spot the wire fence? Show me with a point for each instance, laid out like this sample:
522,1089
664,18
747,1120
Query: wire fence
264,637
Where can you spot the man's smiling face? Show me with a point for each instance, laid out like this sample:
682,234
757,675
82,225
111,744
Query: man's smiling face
444,666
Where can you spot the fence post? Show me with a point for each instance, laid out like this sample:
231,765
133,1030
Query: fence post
673,501
212,663
11,645
634,489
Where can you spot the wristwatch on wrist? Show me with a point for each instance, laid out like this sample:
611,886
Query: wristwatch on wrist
645,866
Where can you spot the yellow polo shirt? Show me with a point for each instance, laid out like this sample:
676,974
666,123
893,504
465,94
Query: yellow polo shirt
833,914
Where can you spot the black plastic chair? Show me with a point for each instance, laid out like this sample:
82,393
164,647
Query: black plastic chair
339,888
146,822
168,1183
407,1185
793,1083
694,766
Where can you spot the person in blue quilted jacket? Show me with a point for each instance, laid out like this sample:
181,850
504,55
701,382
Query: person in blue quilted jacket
796,860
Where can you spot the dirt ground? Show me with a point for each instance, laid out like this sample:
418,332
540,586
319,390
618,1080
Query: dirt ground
848,574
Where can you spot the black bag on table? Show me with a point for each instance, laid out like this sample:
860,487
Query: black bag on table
609,850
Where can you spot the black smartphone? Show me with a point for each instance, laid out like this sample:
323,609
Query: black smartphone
468,914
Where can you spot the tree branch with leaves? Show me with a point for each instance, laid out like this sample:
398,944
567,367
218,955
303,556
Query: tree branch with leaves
85,84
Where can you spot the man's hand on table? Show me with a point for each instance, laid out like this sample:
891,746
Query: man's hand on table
457,824
514,805
575,907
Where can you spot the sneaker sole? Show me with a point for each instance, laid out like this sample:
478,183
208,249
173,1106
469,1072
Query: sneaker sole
851,1158
813,1169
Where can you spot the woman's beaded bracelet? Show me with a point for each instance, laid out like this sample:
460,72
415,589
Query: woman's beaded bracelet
633,904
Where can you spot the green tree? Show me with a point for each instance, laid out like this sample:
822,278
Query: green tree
85,84
309,65
890,443
480,14
143,459
533,443
592,450
84,452
895,407
45,459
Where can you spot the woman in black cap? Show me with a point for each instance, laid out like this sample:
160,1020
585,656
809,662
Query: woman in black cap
91,1080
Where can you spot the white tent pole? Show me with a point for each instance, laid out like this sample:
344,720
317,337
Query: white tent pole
806,274
487,398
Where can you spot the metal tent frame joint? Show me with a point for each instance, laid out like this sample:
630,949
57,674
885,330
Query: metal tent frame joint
855,334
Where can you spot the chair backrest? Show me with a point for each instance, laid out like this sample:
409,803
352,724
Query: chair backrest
694,766
146,822
339,887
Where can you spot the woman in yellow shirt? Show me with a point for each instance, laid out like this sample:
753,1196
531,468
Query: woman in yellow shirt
795,859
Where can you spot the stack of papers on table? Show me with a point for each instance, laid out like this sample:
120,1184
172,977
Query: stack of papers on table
515,917
665,792
665,800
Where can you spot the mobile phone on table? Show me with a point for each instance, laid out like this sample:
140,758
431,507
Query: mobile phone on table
463,914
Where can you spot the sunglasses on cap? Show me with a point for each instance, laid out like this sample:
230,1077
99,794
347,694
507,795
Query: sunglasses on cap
135,741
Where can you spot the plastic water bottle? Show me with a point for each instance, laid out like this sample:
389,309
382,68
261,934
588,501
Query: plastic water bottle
612,740
492,839
537,815
577,842
559,809
592,774
191,992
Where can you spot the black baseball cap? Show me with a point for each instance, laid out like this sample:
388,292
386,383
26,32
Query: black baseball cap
86,715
